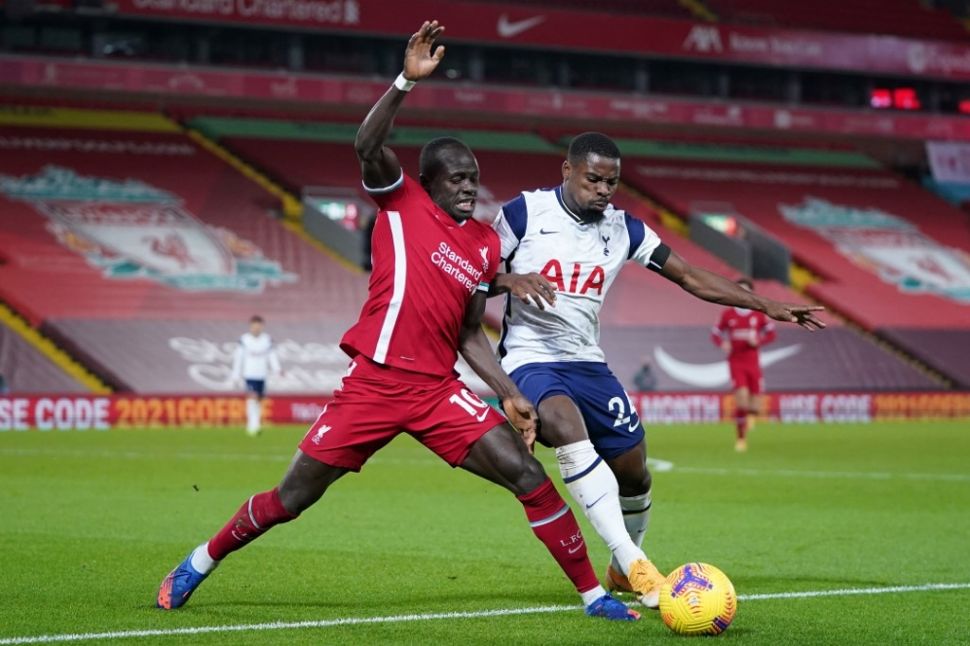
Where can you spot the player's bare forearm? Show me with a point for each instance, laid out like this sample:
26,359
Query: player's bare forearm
477,351
379,165
531,289
711,287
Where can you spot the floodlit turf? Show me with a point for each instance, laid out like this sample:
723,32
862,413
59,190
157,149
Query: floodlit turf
91,522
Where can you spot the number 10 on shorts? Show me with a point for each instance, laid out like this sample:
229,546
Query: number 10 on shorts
471,404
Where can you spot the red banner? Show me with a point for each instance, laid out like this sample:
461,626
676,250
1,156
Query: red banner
589,31
807,408
441,97
91,412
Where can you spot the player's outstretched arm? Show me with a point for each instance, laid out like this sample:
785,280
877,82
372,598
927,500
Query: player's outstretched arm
717,289
379,165
476,350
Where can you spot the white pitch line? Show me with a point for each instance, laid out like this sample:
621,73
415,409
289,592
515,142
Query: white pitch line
279,625
391,619
824,475
808,594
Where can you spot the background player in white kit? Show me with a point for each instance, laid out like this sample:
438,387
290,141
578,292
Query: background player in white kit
255,360
565,246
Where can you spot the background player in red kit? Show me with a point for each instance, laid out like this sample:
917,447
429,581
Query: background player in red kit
432,267
740,333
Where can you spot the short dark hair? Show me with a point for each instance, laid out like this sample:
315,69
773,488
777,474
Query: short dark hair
744,280
430,159
256,318
592,142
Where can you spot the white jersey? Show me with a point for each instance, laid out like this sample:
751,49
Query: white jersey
255,358
540,234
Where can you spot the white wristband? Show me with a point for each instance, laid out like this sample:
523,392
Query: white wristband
403,84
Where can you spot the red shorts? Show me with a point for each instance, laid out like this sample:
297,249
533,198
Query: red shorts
747,374
376,402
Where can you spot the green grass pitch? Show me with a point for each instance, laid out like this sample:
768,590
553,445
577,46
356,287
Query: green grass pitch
92,521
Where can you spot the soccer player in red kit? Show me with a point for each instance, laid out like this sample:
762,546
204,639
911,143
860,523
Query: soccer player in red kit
740,333
432,267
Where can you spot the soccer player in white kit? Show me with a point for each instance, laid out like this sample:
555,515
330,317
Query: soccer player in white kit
565,246
254,361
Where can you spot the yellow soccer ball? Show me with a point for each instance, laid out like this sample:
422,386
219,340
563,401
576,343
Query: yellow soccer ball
697,599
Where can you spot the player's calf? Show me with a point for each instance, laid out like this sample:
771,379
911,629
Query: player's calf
254,518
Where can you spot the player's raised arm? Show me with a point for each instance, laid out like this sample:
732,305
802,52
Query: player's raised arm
717,289
379,165
476,350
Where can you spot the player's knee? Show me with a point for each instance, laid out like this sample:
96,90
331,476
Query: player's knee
635,482
559,429
297,497
647,482
530,475
296,501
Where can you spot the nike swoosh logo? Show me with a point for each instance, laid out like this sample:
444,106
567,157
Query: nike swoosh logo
595,501
712,375
545,233
573,550
509,29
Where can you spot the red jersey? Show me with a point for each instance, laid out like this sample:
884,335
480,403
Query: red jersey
426,269
747,330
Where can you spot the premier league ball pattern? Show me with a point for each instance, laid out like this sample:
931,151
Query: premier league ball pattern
697,599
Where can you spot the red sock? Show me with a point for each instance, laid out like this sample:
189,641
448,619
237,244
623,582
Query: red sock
256,516
741,420
554,524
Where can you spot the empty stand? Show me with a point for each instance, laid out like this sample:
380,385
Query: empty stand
947,350
644,310
104,232
155,314
891,255
898,17
684,358
27,370
851,284
212,206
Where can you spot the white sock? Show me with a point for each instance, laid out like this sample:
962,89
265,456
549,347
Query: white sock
593,486
252,414
592,595
201,560
636,517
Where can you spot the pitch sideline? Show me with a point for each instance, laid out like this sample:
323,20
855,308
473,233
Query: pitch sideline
354,621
